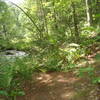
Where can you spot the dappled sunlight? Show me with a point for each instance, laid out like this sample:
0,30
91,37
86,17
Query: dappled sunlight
49,49
53,86
69,95
70,80
45,78
58,86
15,40
27,40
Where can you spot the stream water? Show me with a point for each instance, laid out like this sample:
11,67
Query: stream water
13,54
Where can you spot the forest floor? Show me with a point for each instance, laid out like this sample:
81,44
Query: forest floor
59,86
62,85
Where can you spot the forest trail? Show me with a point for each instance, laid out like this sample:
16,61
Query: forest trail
50,50
62,86
59,86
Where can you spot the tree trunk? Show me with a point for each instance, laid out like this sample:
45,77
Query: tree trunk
89,13
75,21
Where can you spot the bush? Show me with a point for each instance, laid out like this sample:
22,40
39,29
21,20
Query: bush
12,75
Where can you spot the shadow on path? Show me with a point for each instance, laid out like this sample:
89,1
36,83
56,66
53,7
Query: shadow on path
58,86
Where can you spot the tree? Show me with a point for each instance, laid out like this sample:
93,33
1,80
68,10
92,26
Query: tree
6,19
75,20
89,12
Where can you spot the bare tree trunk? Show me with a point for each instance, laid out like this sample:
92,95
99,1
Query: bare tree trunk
89,12
75,20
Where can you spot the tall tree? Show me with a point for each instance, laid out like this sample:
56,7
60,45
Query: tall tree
75,20
89,12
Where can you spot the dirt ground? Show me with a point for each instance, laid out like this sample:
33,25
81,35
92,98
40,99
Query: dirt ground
59,86
62,86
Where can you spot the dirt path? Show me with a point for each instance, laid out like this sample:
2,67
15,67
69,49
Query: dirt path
62,86
59,86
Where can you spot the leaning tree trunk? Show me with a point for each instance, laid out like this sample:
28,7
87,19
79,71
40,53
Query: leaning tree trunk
89,12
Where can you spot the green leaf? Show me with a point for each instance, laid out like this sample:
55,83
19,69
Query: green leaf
3,93
96,80
97,57
21,93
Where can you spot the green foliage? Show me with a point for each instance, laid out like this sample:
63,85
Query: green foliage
96,80
12,76
97,57
86,71
6,71
53,32
89,72
3,93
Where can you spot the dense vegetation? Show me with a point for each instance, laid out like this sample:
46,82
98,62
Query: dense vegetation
56,35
